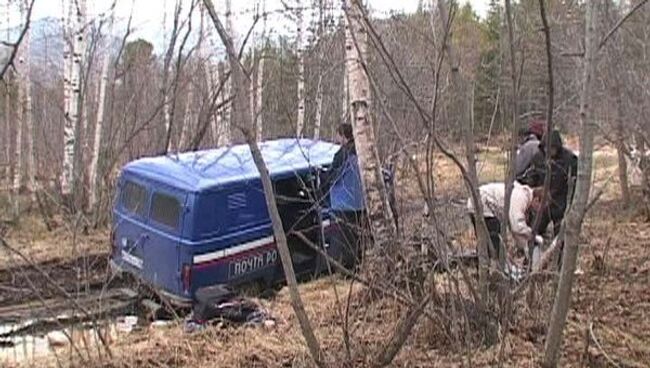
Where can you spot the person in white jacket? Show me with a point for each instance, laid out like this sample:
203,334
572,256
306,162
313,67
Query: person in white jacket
523,199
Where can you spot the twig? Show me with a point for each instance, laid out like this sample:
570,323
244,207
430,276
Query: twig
16,45
620,22
600,347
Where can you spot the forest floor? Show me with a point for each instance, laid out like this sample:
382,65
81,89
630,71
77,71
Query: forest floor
608,324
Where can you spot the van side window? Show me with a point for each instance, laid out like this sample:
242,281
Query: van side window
165,210
134,198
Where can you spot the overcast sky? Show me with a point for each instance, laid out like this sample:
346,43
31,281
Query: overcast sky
148,14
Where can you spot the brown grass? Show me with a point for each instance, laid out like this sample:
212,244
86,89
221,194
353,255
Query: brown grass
612,294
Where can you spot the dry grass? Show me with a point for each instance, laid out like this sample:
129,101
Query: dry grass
611,294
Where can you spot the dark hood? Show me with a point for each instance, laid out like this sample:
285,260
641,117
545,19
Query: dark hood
556,141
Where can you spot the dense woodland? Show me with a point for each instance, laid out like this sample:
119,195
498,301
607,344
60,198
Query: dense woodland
80,97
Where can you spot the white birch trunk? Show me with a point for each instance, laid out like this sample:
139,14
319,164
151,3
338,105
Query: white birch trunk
73,58
300,120
319,86
257,106
78,89
18,158
379,211
99,123
27,110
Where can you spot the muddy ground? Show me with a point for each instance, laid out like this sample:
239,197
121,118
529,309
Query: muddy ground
609,321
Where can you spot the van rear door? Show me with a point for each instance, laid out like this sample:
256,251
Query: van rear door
161,248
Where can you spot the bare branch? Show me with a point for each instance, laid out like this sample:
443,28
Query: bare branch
16,45
620,22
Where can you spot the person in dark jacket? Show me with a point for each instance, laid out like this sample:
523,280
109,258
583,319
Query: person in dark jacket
564,168
347,200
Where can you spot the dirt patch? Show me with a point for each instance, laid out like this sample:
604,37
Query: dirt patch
24,283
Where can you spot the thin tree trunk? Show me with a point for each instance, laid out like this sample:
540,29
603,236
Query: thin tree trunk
6,136
578,209
621,150
27,110
78,93
18,148
300,120
230,112
257,108
379,211
99,127
278,231
464,121
319,84
187,119
167,109
259,93
68,124
318,118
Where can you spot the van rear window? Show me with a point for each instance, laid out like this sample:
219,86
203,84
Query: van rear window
134,198
165,210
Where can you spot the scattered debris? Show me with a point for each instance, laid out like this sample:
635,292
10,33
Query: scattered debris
219,304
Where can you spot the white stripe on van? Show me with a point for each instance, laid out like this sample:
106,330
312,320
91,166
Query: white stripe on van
212,256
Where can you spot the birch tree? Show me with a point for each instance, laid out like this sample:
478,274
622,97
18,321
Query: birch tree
99,121
6,137
356,44
578,209
318,116
300,54
231,110
257,93
26,104
73,55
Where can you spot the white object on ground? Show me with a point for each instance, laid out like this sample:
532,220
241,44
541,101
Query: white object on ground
537,255
160,324
57,338
126,324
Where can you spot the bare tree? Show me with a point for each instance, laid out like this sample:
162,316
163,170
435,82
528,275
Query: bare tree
578,208
322,6
99,120
300,54
26,85
258,107
240,83
356,41
74,54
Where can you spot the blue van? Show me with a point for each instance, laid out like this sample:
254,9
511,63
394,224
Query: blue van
197,219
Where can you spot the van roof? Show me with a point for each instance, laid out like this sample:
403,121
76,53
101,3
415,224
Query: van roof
207,169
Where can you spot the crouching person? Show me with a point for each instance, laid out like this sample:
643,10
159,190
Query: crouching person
522,200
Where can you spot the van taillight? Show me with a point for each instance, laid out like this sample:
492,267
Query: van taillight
186,276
